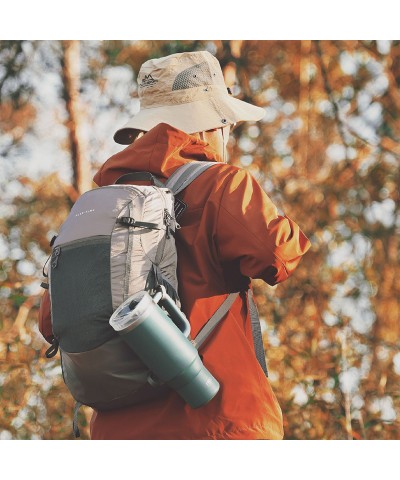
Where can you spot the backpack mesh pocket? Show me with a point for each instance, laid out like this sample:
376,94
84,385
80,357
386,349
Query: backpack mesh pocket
81,294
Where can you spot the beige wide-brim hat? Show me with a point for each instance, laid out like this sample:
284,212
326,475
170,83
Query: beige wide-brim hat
185,90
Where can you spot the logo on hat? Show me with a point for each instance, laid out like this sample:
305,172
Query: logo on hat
148,81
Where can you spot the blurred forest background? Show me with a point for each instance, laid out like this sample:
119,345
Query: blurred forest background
327,152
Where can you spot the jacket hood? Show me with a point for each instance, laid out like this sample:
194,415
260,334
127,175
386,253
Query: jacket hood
160,151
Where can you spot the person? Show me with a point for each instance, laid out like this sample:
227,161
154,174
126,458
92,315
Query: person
230,232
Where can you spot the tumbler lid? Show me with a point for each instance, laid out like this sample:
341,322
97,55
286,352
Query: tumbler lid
125,318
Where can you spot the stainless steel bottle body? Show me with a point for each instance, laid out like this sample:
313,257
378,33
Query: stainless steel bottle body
164,349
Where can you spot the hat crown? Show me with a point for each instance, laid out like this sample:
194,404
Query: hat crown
177,72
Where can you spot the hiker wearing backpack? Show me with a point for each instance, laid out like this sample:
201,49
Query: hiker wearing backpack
226,231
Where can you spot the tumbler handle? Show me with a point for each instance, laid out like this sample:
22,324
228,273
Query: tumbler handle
176,315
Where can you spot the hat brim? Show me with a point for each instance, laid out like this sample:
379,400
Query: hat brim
199,116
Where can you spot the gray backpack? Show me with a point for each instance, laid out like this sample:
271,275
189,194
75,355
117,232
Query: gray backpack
117,240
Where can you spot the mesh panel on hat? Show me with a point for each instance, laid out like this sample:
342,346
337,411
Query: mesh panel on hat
195,76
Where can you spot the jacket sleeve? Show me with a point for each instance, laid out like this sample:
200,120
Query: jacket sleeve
250,231
45,326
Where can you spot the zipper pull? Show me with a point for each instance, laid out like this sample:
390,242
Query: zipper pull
167,221
55,256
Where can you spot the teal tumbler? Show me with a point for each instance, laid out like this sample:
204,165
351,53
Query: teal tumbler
164,348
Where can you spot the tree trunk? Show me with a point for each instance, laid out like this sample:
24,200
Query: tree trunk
82,181
304,99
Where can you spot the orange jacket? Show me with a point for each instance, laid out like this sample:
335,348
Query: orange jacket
230,232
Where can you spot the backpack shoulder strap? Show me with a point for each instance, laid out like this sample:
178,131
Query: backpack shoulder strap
184,176
256,330
179,180
75,427
219,315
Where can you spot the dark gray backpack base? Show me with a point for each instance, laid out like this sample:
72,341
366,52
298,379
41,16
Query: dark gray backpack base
108,377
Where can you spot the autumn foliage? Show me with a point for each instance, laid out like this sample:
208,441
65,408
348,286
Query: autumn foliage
327,153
